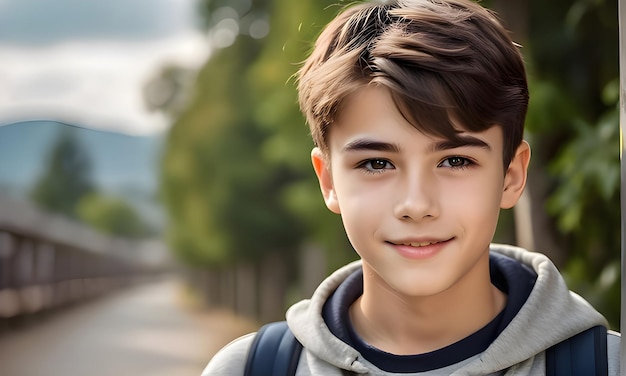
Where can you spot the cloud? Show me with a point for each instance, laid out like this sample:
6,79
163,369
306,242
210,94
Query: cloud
41,22
92,73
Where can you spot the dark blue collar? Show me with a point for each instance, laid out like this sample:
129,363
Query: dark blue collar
513,278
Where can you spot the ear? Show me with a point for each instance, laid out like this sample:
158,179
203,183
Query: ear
515,178
321,166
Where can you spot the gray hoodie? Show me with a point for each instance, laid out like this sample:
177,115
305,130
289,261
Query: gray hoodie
550,314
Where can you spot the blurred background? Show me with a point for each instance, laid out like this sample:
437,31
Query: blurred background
156,195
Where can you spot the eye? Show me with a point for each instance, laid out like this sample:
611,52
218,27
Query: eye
376,165
455,162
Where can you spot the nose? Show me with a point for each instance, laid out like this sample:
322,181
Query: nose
417,199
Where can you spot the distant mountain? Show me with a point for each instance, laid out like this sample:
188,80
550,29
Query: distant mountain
122,165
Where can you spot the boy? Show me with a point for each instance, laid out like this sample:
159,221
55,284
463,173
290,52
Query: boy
416,108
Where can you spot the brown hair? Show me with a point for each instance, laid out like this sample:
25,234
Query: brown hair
442,60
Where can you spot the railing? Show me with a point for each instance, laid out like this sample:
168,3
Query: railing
47,261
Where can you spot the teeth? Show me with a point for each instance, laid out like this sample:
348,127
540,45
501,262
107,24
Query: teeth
422,244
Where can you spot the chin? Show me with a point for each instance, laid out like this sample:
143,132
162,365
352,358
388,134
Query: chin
419,289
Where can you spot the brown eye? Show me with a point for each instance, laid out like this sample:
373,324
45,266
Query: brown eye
375,165
456,161
378,164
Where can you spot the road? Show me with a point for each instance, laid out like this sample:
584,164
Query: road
150,329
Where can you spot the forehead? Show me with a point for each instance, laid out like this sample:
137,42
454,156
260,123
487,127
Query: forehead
370,113
370,105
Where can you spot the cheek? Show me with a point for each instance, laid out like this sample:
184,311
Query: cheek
357,193
359,204
362,207
474,197
359,221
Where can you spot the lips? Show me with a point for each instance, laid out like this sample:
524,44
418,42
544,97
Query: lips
419,249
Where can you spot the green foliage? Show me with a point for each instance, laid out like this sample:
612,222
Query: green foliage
294,28
112,216
65,179
237,179
573,123
589,169
65,187
602,292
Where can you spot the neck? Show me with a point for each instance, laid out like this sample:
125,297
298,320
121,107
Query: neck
404,325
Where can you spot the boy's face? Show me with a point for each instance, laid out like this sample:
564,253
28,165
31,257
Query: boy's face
420,211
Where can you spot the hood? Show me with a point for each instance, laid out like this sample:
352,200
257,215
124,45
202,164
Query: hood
551,314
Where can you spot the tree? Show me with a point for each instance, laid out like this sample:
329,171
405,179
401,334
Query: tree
112,216
236,168
66,178
237,181
573,126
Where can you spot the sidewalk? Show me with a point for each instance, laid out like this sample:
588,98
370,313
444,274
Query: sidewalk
145,330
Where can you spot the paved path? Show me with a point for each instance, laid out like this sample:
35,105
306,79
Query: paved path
145,330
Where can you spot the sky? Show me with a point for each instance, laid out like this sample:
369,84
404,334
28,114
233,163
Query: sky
87,62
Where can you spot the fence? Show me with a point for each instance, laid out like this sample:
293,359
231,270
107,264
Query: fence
47,261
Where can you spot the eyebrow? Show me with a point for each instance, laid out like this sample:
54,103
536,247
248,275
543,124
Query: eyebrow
461,141
366,144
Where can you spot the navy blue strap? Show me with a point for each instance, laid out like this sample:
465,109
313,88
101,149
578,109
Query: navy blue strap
584,354
274,352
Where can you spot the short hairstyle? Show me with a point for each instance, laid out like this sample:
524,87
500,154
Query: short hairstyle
449,64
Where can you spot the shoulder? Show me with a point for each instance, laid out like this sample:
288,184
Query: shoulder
231,359
613,352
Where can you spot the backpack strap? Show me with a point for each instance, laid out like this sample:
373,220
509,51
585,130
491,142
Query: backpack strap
274,351
584,354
